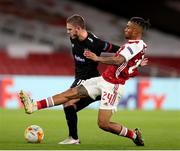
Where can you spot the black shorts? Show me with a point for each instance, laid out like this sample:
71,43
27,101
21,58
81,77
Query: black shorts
84,102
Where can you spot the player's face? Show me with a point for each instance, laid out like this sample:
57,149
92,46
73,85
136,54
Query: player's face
72,31
129,30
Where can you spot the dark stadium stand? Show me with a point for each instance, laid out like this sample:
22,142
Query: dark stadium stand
13,7
162,16
60,62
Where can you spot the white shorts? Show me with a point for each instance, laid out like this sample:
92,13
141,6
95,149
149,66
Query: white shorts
110,93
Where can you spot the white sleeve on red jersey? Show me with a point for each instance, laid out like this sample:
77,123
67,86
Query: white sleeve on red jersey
130,50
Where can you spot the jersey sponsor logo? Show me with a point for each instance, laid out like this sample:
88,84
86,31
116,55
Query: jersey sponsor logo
79,58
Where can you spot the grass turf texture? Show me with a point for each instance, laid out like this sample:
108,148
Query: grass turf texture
161,130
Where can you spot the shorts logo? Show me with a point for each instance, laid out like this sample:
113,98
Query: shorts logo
105,104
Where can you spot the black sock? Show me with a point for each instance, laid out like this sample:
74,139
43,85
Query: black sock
71,118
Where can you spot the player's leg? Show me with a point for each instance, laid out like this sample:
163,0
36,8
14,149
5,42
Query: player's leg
71,119
104,123
111,94
70,109
90,86
84,102
72,93
71,116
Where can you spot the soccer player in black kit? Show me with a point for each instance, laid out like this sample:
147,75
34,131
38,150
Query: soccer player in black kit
82,40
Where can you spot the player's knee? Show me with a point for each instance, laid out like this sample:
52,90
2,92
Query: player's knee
103,125
67,104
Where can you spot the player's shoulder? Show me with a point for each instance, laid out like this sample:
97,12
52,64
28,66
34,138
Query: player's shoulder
91,34
135,43
92,37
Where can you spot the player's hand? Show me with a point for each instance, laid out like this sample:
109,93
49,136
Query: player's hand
90,55
144,62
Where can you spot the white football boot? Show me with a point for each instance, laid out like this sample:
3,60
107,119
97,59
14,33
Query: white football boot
27,102
69,141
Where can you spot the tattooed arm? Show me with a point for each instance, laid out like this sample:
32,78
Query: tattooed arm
114,60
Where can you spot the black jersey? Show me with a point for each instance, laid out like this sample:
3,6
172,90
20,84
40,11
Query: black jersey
86,68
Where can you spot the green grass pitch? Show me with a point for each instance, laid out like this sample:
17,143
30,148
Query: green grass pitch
161,130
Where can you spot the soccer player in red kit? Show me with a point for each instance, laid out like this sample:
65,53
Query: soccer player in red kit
122,66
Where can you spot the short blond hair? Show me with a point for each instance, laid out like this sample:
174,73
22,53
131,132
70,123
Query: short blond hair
76,20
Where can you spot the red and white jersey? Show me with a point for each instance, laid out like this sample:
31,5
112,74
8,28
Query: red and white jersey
133,52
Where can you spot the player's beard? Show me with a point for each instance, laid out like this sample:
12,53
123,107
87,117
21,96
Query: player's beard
127,37
74,36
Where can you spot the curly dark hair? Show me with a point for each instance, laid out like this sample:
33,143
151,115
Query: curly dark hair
145,24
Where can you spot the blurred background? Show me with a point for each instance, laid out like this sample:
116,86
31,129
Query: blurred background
35,51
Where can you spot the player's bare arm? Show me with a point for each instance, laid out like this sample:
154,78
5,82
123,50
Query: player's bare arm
115,60
144,62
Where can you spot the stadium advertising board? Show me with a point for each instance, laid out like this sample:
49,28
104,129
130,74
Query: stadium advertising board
141,93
